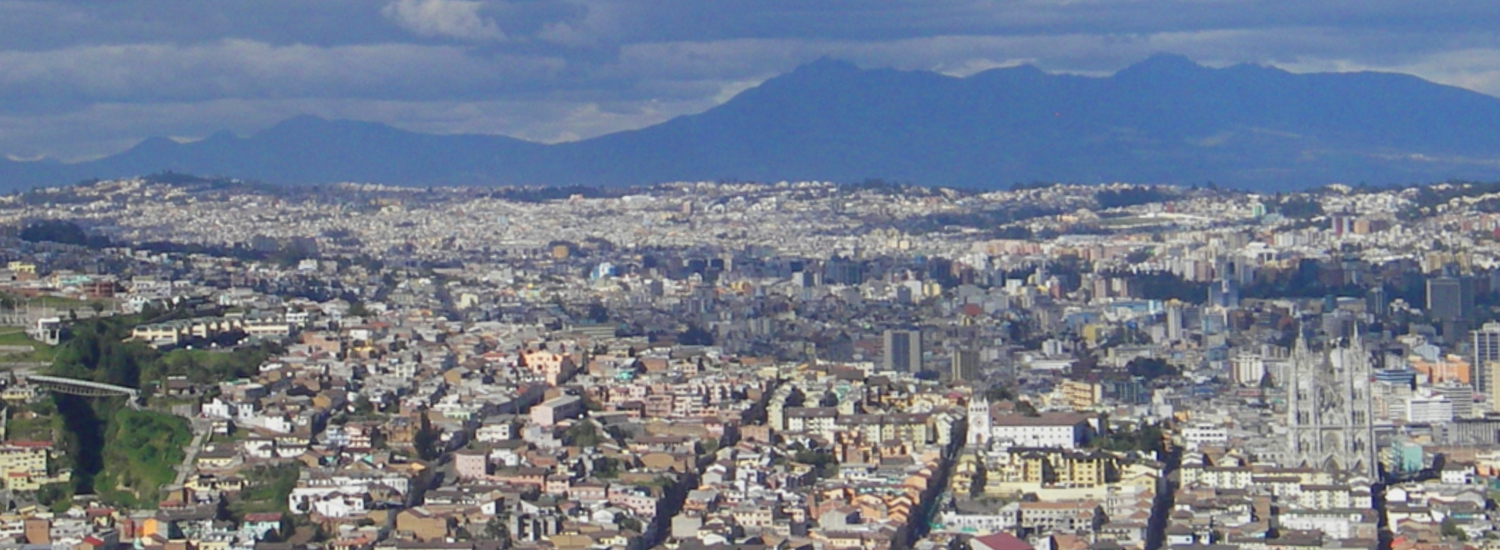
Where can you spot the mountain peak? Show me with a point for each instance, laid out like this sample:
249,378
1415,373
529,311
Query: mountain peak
1165,119
825,66
1162,64
310,126
154,145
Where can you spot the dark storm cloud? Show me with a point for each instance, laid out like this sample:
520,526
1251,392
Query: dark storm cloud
87,78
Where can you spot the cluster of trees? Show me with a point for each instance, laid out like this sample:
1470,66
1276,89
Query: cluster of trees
209,367
822,461
123,455
1145,438
1150,368
1299,206
584,434
1119,198
266,488
695,336
427,440
60,231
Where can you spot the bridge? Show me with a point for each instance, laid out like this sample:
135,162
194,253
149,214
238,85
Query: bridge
83,388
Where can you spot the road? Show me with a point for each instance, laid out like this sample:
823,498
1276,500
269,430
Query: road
200,430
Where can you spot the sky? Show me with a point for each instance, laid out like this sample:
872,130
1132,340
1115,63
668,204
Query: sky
83,79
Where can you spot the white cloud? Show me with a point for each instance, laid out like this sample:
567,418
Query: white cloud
459,19
242,68
86,78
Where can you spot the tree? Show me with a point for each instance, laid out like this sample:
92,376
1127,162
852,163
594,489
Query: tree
495,529
598,313
696,336
357,309
1150,368
977,483
1450,529
583,434
999,393
631,524
1027,409
426,439
822,462
56,496
828,400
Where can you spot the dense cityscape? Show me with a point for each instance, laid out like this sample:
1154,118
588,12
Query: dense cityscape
210,364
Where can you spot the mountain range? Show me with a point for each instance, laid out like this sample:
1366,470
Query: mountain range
1163,120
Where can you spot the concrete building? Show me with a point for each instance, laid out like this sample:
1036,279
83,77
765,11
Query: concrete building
902,350
549,412
1486,344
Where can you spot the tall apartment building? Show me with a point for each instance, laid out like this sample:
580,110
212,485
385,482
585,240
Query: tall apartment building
903,350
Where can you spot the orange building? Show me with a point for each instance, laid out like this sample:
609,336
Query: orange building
1452,367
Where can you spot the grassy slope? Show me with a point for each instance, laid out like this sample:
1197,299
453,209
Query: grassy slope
141,451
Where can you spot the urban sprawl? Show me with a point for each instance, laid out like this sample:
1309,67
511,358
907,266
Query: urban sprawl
196,364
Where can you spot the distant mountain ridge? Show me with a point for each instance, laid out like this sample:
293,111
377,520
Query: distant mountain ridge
1163,120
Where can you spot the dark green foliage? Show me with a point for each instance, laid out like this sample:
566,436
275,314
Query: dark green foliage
583,434
822,461
796,398
1300,207
141,451
121,454
95,351
426,439
1450,529
56,496
609,468
1117,198
1146,438
828,400
1165,285
358,309
631,524
266,489
1150,368
999,393
83,438
60,231
696,336
209,367
495,529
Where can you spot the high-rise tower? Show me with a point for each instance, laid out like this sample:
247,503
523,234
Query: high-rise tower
1329,410
903,350
1486,348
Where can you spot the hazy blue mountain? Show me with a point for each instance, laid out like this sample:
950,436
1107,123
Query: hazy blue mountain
1164,120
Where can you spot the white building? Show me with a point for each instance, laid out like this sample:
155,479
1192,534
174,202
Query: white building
1054,430
1429,409
1204,434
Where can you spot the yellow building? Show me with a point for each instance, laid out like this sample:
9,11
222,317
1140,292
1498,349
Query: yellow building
28,458
1023,470
1080,395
